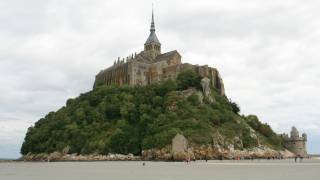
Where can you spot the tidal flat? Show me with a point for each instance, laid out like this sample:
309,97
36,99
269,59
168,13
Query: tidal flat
308,169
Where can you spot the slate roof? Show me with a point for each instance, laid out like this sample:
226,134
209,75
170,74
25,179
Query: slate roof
168,54
152,38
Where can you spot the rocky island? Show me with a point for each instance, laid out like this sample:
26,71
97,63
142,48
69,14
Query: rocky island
150,106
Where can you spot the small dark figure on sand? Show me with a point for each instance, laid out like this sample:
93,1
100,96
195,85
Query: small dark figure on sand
220,157
301,158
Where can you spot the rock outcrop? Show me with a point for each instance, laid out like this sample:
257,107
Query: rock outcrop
165,154
57,156
205,83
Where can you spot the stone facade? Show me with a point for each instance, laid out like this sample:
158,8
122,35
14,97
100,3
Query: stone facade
150,66
295,143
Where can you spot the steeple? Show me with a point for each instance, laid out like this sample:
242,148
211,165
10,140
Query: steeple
152,46
152,28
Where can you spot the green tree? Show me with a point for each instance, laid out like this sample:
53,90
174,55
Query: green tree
188,79
235,107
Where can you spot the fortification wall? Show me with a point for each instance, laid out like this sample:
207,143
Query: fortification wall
298,147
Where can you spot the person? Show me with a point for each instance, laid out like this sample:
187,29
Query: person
187,159
295,159
301,158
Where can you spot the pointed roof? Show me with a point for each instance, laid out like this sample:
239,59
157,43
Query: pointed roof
294,132
152,37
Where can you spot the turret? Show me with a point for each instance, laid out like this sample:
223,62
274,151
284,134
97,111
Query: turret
152,46
294,133
295,143
304,136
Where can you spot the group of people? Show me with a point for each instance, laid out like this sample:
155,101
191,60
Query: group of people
296,158
188,159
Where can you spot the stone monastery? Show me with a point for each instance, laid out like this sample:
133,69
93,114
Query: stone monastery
151,65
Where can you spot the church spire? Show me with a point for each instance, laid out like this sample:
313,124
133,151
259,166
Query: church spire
152,46
152,37
152,28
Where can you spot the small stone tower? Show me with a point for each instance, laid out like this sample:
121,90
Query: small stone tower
295,143
152,46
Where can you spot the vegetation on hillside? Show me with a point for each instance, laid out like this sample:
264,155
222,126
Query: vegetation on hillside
113,119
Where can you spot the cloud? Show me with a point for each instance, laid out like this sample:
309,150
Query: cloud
266,52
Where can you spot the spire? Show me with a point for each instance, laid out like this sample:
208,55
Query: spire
152,37
152,28
152,47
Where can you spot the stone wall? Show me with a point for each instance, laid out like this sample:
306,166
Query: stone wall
142,70
297,147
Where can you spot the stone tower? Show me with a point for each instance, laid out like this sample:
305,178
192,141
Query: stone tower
295,143
152,46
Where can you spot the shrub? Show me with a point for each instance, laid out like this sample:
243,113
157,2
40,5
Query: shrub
235,107
247,140
188,79
193,99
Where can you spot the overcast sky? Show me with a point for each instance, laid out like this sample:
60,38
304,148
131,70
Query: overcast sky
267,52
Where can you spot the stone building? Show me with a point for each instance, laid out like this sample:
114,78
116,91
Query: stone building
151,65
295,143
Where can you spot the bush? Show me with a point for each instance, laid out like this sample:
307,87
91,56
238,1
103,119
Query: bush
193,99
235,107
188,79
247,140
276,140
253,121
266,130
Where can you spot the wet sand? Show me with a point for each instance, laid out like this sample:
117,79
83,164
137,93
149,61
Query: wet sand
200,170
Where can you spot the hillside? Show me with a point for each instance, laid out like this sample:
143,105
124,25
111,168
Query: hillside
113,119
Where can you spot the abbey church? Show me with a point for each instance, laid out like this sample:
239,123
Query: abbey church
151,66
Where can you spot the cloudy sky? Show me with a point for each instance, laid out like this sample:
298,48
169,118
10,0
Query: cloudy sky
267,52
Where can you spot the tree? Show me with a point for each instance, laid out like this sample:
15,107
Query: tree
235,107
247,140
266,130
188,79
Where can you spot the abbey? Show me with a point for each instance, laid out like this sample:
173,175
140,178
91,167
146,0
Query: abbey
151,65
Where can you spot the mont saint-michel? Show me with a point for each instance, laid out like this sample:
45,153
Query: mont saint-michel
151,106
150,66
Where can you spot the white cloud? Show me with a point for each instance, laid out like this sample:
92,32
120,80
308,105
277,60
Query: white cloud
266,51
